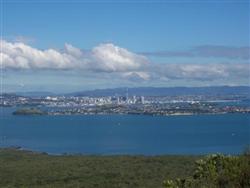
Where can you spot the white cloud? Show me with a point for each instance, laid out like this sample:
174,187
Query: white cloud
105,57
137,76
71,50
113,58
201,71
116,61
22,56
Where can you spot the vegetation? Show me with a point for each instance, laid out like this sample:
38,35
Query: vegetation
217,171
25,169
29,111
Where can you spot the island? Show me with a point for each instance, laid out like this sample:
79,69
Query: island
29,111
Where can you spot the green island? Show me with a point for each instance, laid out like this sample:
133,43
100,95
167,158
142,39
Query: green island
29,111
26,169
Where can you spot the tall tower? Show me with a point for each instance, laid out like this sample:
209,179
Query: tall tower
142,100
127,96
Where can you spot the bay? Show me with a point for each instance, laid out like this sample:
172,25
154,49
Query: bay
126,134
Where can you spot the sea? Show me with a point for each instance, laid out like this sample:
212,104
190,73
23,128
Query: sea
126,134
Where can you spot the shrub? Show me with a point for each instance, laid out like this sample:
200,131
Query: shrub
217,171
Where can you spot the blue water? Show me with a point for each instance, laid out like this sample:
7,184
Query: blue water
126,134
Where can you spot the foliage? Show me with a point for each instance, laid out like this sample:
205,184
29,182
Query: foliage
217,170
25,169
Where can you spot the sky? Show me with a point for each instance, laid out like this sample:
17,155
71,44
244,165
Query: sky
65,46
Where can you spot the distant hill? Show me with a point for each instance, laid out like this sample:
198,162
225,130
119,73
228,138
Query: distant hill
35,94
166,91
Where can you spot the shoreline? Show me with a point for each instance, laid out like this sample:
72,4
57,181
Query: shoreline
27,150
136,114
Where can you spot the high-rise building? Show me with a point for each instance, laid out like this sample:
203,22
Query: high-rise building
142,100
134,99
127,100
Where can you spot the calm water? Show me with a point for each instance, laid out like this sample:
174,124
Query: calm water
126,134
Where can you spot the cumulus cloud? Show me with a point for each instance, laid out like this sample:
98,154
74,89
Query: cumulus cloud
113,58
118,63
21,56
73,51
105,57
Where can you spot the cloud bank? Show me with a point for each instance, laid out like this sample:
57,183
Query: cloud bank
105,57
120,62
216,51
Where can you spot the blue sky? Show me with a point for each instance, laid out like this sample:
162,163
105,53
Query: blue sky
125,43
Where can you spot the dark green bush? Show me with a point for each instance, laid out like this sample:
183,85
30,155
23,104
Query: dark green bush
217,171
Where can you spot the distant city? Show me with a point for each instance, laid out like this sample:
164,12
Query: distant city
184,104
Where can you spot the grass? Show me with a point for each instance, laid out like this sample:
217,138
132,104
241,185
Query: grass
26,169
